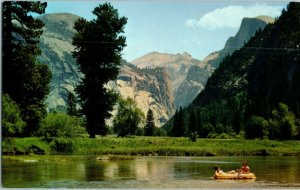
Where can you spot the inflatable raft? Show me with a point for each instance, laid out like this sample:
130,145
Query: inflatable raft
234,176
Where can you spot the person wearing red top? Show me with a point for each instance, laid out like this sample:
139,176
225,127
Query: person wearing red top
245,169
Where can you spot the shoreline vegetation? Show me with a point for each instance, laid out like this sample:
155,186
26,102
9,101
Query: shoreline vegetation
150,146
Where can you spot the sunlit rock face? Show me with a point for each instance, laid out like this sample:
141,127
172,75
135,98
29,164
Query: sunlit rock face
56,46
178,67
150,88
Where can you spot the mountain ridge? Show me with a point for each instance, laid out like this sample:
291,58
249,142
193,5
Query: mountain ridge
193,84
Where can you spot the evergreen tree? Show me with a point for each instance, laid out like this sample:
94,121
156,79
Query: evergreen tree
193,125
98,45
150,126
71,104
24,79
178,129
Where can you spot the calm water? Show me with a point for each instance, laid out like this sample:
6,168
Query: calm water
148,172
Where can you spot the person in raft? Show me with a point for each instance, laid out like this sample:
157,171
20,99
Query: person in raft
245,169
218,170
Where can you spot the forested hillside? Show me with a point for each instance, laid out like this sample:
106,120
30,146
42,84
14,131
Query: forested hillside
255,91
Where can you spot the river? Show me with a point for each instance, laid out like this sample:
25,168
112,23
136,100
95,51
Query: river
146,172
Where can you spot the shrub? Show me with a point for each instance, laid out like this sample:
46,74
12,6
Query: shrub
128,118
256,127
160,132
61,125
139,131
62,145
12,122
283,125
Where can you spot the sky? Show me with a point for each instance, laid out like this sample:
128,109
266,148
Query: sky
175,26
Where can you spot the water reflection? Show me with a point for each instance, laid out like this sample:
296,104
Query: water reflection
151,172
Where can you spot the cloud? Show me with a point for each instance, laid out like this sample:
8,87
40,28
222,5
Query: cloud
231,16
191,23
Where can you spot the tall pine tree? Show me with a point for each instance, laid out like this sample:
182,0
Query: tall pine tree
71,104
24,79
150,126
98,45
178,129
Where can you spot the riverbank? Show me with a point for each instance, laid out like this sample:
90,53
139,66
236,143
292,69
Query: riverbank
154,146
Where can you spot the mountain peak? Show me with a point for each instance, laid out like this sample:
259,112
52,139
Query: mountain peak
266,19
60,16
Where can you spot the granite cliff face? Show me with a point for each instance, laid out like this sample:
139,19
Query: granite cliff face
197,75
57,48
178,66
150,88
247,30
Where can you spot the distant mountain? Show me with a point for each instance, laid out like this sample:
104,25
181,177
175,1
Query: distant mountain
196,77
56,46
177,65
247,29
150,88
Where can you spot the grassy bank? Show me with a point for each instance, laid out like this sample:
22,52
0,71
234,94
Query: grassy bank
164,146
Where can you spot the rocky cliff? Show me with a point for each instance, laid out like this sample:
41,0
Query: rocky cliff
247,30
177,65
56,47
197,75
150,88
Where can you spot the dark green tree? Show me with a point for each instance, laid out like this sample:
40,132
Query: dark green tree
128,118
71,104
12,122
150,125
178,129
193,125
282,124
256,127
24,79
98,45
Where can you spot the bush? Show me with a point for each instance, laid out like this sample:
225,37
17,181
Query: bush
128,118
283,125
61,125
160,132
62,145
193,136
256,127
12,122
140,131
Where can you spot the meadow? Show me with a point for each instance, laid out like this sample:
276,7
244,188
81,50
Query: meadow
153,146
